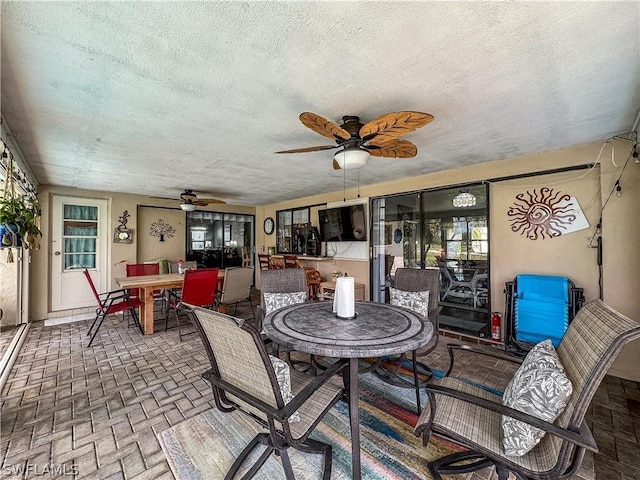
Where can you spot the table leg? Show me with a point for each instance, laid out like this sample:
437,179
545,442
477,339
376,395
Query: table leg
146,310
354,419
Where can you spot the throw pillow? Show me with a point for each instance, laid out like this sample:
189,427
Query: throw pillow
539,388
281,369
416,301
274,301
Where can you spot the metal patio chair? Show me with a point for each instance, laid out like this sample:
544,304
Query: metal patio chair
472,416
243,378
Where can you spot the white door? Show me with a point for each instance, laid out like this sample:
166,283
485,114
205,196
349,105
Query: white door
79,240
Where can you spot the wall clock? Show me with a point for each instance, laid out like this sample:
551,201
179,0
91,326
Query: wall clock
268,225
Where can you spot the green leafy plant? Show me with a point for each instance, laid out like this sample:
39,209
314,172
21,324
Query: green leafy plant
20,215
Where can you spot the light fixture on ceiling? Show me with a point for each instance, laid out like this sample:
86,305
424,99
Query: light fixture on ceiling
464,199
188,207
351,157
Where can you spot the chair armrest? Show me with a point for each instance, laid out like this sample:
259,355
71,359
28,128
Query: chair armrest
486,351
113,294
582,438
297,401
434,312
291,407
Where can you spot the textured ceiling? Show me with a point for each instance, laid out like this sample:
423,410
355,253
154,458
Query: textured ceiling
155,97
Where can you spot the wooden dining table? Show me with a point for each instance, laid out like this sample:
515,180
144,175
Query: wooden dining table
147,285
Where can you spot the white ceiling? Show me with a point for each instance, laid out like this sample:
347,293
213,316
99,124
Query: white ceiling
155,97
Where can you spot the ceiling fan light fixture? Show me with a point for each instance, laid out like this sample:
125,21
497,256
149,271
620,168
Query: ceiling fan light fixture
351,158
188,207
464,199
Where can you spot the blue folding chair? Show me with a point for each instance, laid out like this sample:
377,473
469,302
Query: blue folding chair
539,307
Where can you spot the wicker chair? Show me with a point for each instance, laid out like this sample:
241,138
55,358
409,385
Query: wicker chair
243,378
414,280
471,416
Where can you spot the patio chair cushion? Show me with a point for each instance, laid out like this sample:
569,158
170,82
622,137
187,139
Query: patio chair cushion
163,263
274,301
283,375
539,388
416,301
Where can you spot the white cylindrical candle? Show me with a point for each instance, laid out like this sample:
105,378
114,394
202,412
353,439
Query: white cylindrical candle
344,301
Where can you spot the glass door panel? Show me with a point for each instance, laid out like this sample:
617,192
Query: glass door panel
79,235
283,228
428,229
395,239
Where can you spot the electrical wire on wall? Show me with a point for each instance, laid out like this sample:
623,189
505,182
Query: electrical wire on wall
595,241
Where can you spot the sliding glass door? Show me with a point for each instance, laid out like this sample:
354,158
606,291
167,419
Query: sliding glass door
430,229
395,239
216,239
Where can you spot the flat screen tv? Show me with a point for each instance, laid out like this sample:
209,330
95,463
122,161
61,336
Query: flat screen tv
343,224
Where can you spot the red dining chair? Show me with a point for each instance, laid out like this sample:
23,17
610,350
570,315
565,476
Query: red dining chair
110,303
198,289
138,269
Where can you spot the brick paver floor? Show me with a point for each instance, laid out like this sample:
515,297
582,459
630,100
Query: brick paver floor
95,412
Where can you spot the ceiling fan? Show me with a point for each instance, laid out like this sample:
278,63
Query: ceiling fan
356,141
189,201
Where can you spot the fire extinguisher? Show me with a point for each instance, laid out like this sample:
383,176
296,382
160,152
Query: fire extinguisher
495,326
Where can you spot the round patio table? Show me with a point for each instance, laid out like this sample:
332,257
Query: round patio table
379,329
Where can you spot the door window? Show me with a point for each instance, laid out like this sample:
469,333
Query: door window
80,233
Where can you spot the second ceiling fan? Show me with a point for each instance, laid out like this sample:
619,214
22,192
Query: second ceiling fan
189,201
357,141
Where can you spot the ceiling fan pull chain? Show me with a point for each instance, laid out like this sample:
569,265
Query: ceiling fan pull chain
358,183
344,184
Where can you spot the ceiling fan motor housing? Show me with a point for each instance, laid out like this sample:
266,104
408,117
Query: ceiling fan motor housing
352,125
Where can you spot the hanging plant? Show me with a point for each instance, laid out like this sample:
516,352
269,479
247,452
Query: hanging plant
19,214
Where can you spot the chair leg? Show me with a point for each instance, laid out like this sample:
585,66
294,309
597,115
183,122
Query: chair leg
93,323
136,319
261,438
286,464
102,317
416,381
446,465
314,446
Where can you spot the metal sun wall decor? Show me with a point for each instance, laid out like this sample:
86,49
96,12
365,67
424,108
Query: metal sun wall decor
543,213
161,229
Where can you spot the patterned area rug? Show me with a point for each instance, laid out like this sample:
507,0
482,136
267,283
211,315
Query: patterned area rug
204,447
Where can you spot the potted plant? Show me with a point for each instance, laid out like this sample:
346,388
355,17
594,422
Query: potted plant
19,221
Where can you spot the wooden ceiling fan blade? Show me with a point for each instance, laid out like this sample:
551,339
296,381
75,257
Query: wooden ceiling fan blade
309,149
392,125
394,149
209,201
336,165
324,127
